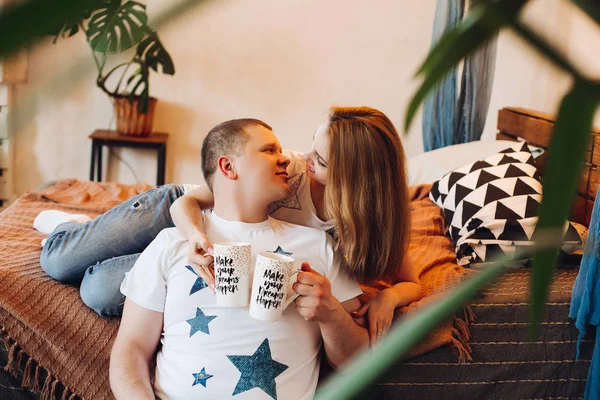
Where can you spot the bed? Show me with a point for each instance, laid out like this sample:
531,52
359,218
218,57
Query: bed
54,347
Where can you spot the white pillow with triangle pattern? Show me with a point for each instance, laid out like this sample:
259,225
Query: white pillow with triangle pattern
491,206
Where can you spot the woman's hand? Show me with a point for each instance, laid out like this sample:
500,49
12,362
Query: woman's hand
380,313
200,258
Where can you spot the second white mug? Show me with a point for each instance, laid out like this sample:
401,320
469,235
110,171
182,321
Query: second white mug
272,277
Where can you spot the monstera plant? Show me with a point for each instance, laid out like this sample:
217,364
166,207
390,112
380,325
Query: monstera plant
112,27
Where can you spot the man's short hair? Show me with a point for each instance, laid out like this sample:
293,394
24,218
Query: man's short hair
227,138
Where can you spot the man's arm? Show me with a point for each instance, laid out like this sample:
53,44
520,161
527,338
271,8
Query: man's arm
342,337
132,352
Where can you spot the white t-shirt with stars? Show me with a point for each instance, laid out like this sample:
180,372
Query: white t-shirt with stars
211,352
298,207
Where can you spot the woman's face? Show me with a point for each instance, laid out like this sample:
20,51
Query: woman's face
317,158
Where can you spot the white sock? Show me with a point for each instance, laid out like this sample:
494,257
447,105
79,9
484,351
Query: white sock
48,220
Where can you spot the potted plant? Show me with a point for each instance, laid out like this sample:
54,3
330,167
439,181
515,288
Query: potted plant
112,27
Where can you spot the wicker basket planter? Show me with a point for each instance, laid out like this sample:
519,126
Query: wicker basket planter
129,120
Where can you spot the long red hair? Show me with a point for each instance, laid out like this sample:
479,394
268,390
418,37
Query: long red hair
367,192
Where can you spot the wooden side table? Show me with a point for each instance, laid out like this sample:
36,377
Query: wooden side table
111,138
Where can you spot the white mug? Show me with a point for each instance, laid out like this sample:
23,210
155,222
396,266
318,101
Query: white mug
272,277
232,273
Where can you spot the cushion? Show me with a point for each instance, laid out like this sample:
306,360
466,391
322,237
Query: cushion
431,166
491,206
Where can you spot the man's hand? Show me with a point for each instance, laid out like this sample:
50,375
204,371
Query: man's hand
200,258
342,338
315,303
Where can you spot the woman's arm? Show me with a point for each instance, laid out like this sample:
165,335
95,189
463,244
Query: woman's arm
408,288
381,308
186,212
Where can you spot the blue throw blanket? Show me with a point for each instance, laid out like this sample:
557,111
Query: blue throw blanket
585,303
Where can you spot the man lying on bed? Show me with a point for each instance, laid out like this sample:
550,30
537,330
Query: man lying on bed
213,352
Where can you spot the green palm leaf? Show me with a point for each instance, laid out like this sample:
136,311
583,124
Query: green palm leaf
483,23
150,54
569,142
115,27
154,55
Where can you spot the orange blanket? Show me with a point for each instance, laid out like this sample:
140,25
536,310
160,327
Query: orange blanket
57,341
432,255
62,346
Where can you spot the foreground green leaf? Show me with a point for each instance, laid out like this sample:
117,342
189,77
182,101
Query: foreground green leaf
28,22
369,365
569,142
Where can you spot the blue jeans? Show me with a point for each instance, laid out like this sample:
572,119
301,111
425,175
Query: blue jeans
97,254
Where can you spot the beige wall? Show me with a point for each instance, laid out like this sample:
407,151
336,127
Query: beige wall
281,61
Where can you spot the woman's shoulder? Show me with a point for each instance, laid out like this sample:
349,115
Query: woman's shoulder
297,163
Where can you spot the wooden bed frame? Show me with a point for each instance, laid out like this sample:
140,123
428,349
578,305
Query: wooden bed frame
536,128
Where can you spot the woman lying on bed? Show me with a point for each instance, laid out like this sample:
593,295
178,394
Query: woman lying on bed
352,185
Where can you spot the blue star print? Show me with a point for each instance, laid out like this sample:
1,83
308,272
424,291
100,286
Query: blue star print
200,322
199,284
279,250
258,371
201,378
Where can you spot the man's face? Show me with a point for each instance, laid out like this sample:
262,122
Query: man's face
262,169
316,159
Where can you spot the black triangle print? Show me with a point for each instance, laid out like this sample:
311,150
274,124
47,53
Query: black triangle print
468,211
461,192
508,160
514,172
524,147
465,250
506,151
474,224
483,234
494,194
443,198
493,252
479,165
531,161
435,192
521,189
485,177
537,175
449,216
513,231
454,233
531,207
572,235
453,178
503,212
